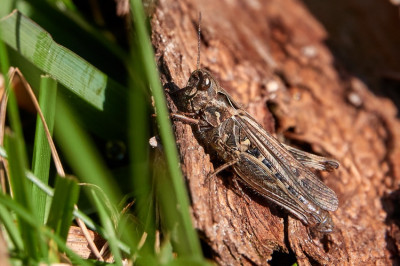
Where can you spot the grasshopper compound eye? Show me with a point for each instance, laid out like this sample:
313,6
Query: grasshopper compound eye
202,80
206,83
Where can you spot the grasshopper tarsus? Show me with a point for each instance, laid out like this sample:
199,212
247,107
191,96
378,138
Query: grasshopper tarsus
222,168
184,118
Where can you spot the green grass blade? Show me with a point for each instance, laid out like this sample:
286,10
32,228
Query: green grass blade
19,187
39,183
69,4
6,6
77,213
71,29
23,237
189,242
13,232
37,46
30,220
139,134
109,229
15,124
83,158
41,150
66,195
4,63
5,215
101,100
12,107
80,152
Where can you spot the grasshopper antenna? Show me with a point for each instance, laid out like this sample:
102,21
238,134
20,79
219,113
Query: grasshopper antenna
198,43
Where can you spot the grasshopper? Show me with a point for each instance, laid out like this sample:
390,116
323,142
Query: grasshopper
277,171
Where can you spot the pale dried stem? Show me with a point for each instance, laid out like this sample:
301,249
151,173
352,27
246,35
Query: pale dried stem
54,153
90,241
3,161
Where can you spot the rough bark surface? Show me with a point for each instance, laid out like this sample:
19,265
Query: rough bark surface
273,55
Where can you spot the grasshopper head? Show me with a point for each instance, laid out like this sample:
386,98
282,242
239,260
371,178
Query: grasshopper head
199,91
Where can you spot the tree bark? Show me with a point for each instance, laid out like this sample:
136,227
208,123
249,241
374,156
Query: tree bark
300,78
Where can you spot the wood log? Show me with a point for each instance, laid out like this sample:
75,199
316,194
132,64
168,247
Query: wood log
297,67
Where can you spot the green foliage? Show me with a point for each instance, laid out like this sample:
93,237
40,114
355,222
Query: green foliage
85,94
65,197
42,153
